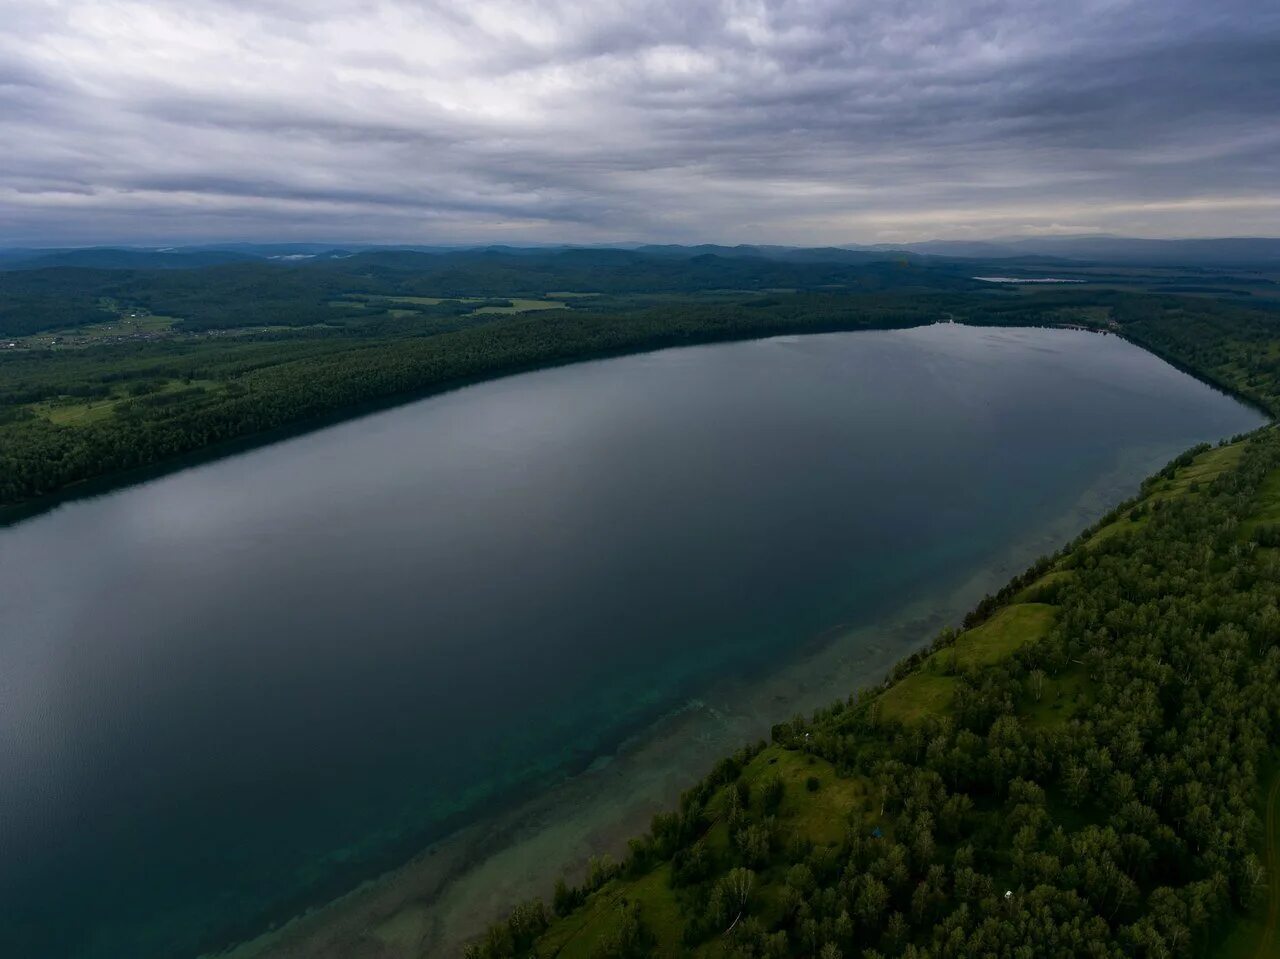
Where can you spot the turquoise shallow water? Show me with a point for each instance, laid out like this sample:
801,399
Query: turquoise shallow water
238,689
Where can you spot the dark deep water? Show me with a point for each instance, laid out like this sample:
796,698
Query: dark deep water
252,682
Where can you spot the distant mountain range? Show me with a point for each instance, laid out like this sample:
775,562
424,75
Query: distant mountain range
1238,252
1101,248
1092,248
116,259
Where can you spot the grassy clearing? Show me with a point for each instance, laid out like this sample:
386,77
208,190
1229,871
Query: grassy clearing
1010,628
67,411
1044,587
918,696
520,305
415,300
374,300
819,815
1203,469
124,328
575,937
929,690
552,301
1268,511
1125,524
75,411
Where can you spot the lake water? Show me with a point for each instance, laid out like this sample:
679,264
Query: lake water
236,690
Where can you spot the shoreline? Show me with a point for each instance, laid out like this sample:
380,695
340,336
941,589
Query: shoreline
18,511
447,893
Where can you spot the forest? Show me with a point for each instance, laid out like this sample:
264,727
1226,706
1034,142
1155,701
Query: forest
113,370
1084,768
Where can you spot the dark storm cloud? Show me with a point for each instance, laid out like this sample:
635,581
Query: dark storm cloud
800,122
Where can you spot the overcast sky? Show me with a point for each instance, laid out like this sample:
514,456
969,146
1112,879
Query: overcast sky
684,121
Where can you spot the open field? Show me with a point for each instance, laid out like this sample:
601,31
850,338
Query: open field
928,691
95,334
517,304
79,412
522,305
817,806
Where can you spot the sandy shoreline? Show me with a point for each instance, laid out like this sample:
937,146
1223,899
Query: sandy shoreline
445,895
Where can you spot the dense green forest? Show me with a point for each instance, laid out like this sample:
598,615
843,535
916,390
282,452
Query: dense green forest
71,416
239,294
1083,770
110,370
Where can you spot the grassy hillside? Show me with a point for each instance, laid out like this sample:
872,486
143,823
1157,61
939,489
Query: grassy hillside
1084,770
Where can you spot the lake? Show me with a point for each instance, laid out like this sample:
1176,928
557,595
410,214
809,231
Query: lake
237,690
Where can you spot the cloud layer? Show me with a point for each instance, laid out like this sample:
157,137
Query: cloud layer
798,121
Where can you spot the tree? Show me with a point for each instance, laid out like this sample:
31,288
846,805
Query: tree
1035,682
737,886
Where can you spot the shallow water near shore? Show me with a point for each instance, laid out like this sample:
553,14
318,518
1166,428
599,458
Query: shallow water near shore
241,689
443,898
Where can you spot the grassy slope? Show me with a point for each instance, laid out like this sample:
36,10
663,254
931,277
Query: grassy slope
928,690
821,816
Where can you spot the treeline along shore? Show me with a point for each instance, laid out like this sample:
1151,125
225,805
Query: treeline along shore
149,368
1086,767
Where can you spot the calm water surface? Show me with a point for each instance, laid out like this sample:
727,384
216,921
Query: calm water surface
231,691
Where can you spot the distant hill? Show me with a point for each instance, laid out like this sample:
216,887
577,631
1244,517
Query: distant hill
67,288
107,258
1263,252
954,255
823,254
642,271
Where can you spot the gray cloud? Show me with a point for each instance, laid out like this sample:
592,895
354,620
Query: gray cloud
799,121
